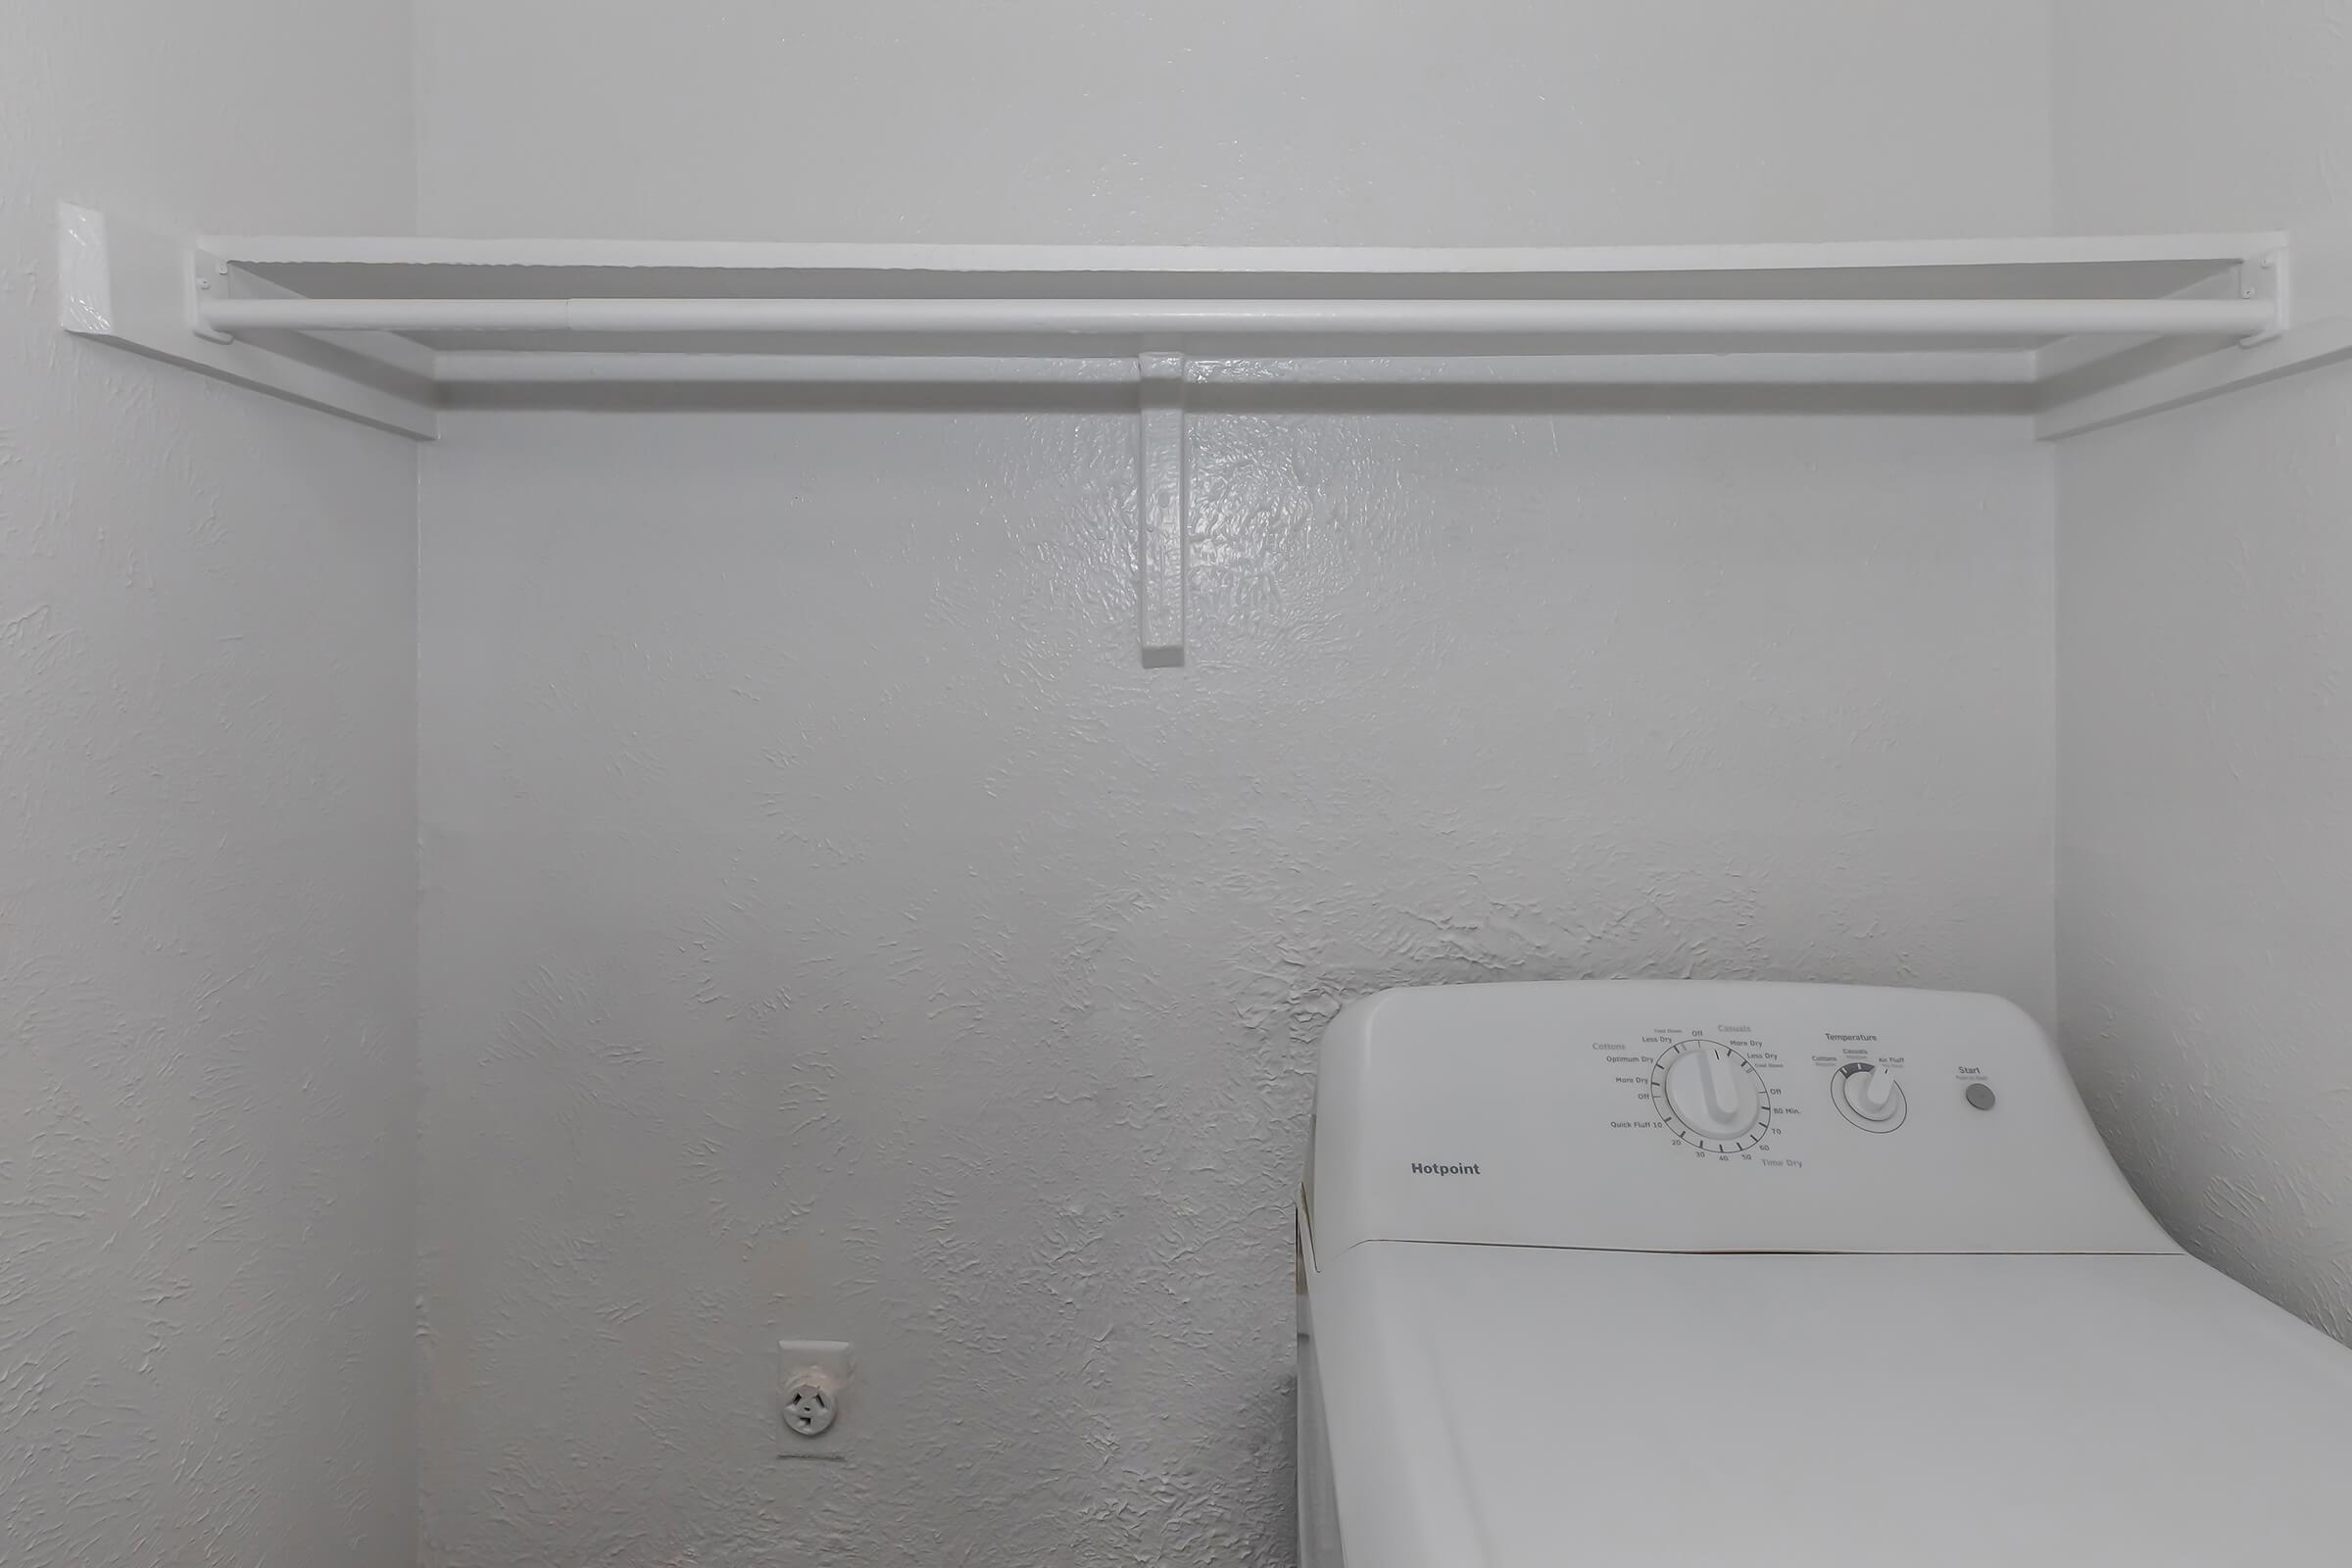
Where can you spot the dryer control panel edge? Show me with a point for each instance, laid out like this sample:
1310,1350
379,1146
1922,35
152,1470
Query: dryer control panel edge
1695,1116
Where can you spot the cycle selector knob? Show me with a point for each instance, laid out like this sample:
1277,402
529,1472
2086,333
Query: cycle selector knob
1710,1095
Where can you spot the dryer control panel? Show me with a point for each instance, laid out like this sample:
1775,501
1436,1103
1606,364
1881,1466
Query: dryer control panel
1692,1117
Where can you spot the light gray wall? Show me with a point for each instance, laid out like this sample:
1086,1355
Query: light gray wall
207,850
828,929
1236,122
2205,631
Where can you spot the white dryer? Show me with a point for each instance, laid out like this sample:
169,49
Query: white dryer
1671,1273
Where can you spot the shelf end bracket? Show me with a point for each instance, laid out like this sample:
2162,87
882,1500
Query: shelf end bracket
142,290
2264,277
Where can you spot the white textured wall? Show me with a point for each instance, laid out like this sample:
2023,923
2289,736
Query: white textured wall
828,928
207,851
2205,633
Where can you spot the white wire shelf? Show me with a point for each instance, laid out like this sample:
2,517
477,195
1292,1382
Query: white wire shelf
2080,332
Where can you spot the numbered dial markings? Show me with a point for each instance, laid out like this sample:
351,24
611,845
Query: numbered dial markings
1710,1097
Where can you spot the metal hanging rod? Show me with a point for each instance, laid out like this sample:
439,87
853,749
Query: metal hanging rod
1930,317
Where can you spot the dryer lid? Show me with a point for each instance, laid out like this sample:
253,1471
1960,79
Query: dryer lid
1508,1407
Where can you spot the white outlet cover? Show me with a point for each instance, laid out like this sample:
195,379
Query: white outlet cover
836,1360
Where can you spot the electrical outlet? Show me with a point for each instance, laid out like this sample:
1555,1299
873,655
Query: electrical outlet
811,1376
810,1404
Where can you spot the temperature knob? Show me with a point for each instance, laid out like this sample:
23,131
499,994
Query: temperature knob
1869,1096
1710,1095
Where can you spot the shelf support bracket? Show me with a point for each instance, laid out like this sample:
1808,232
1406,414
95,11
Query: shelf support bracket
1162,551
207,276
2264,277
